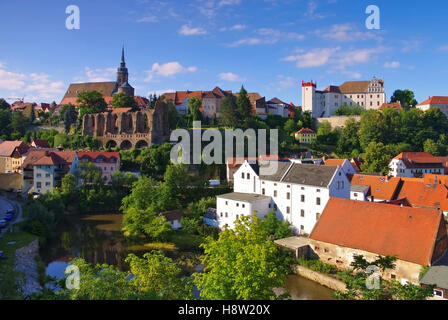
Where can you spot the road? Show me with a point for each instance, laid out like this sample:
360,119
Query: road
5,205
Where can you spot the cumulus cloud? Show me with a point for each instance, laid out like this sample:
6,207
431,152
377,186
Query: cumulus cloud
346,33
36,86
231,77
335,57
187,30
167,70
267,36
236,27
97,75
392,65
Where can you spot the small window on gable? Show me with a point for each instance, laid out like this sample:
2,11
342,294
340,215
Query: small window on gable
242,175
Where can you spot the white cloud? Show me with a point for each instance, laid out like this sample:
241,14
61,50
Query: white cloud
167,70
246,41
268,36
313,58
392,65
335,58
186,30
160,92
98,75
36,86
346,33
231,77
229,3
148,19
11,80
442,48
236,27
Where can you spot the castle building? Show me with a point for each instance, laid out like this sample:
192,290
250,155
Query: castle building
323,104
107,89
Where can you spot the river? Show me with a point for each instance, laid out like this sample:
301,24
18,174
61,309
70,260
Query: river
97,239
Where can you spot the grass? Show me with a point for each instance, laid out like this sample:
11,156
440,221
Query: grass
318,266
186,241
163,246
21,239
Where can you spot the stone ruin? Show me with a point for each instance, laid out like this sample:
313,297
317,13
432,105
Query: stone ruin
129,130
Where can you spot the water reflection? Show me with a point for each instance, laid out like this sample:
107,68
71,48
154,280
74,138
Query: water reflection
304,289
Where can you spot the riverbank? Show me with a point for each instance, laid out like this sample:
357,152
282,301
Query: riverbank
9,275
320,278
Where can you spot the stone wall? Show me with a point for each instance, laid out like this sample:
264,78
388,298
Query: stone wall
323,279
128,130
338,121
26,265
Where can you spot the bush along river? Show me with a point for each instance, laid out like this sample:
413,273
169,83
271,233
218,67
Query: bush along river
98,240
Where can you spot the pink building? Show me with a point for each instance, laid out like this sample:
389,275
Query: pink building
108,162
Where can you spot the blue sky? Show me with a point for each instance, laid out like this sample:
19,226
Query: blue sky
270,46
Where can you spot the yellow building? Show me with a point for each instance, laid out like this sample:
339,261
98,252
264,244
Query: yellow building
11,153
305,136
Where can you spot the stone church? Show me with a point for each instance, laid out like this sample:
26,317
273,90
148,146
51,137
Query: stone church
107,89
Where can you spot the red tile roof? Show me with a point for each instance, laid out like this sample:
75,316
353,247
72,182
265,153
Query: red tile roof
423,194
419,159
40,143
335,162
382,188
305,130
435,100
394,105
49,158
7,148
91,156
382,229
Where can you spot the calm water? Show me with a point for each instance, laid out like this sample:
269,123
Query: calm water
98,239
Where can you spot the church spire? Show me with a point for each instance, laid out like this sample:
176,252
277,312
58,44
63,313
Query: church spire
123,63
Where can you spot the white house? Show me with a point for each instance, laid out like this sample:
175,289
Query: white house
232,206
173,218
415,165
435,102
323,104
298,193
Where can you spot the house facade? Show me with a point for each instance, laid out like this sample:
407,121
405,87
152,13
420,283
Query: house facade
11,153
435,102
107,162
415,165
43,170
298,193
323,104
305,136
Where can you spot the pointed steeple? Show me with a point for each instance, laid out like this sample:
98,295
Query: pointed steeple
123,63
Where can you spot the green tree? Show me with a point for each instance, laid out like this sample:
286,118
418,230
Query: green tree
157,273
68,184
244,106
18,125
5,121
173,115
4,105
229,113
405,97
91,174
91,102
122,100
275,227
69,116
243,264
194,106
348,143
346,110
376,158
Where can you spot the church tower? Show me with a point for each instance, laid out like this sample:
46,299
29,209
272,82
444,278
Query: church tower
123,77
